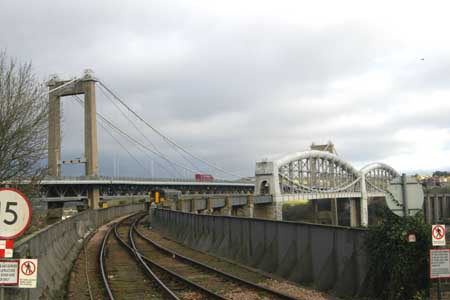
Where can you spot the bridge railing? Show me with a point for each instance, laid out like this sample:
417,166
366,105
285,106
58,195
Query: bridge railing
262,199
122,178
200,202
239,200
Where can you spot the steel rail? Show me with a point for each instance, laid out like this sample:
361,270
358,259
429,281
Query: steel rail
138,257
86,273
102,265
179,256
174,274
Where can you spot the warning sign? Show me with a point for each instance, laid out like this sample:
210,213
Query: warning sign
438,235
6,248
28,273
439,263
9,272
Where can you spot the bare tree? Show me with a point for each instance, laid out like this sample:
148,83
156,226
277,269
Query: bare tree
23,121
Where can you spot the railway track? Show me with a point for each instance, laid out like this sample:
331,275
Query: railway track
170,275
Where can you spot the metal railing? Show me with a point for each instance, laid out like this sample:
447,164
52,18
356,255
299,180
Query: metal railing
122,178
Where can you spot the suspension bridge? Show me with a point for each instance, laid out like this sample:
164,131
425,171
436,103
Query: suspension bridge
329,257
310,175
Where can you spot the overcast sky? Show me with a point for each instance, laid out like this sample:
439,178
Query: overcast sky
237,81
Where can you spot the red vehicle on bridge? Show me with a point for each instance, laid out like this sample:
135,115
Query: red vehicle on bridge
203,177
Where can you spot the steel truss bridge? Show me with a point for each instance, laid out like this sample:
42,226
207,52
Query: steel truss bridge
318,174
64,189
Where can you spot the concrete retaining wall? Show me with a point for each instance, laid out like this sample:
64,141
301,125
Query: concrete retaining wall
330,258
57,247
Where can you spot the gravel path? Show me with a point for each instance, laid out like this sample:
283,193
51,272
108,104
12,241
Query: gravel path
78,284
304,293
77,288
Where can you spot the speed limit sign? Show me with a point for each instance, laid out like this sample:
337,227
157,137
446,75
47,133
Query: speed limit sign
15,213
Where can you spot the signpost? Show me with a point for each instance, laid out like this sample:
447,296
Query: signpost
439,263
9,274
440,257
6,248
15,214
438,235
15,217
405,197
28,273
439,266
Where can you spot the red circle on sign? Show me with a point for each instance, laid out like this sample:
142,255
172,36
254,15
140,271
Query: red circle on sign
438,232
11,237
28,268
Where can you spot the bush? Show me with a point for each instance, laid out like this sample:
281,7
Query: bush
398,269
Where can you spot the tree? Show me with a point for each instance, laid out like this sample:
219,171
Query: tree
23,121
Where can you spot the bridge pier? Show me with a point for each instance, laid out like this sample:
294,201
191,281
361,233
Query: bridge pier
193,207
184,205
226,210
250,207
93,198
315,209
271,211
445,213
428,210
334,211
55,210
353,212
246,210
437,212
209,207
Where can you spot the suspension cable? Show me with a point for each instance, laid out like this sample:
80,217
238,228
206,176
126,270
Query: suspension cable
165,138
135,126
109,123
79,101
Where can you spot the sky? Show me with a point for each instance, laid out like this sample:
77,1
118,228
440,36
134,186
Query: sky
235,82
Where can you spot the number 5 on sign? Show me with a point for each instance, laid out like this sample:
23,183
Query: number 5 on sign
15,214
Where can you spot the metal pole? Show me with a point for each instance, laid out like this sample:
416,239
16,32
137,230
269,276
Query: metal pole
439,289
404,196
2,293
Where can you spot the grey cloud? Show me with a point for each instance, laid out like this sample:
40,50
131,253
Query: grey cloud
230,90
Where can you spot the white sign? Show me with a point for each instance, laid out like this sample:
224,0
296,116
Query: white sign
15,214
414,194
438,235
9,272
28,273
439,263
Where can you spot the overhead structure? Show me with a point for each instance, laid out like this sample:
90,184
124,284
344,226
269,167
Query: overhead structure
316,174
57,89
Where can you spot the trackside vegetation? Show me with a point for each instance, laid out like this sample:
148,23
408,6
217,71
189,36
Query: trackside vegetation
398,269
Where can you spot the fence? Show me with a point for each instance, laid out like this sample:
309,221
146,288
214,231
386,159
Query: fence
330,258
57,247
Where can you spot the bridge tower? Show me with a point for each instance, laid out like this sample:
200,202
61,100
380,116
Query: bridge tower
85,86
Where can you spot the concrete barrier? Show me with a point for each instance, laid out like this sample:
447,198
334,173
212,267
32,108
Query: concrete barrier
57,246
330,258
